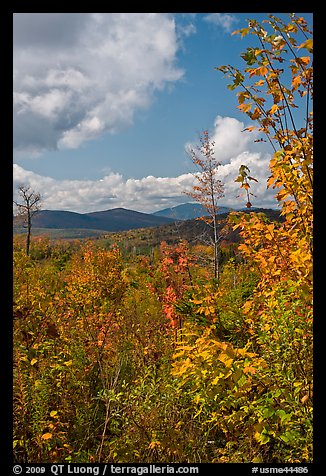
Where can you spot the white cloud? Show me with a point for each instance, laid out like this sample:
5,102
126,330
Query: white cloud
48,105
77,76
186,30
229,139
150,194
224,20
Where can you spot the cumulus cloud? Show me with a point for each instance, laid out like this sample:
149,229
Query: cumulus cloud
229,138
149,194
224,20
79,75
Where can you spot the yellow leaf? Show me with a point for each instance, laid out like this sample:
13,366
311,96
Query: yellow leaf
225,359
33,361
307,44
196,301
242,96
256,114
47,436
209,310
262,70
273,109
257,435
282,194
53,413
68,363
292,28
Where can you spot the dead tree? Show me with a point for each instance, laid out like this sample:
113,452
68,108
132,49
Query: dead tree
28,206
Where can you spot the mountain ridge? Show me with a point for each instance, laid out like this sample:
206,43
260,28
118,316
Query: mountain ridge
116,219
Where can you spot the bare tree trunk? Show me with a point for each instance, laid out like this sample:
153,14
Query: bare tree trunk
216,267
28,237
216,262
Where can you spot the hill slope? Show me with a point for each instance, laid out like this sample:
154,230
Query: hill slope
194,231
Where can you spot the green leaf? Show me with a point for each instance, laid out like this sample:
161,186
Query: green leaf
283,415
250,56
289,436
238,78
268,412
264,439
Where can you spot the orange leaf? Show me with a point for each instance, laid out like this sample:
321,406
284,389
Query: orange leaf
270,181
304,59
47,436
296,81
263,70
304,399
245,107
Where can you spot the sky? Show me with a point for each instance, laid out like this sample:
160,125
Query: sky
107,105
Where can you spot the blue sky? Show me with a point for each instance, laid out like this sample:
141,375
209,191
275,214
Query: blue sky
105,106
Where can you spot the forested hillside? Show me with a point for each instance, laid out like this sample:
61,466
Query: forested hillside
127,356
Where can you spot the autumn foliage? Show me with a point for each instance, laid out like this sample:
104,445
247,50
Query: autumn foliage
144,358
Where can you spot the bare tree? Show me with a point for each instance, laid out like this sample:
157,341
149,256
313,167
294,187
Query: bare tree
208,189
30,204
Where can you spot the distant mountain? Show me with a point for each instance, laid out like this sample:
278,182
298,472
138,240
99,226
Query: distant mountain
117,219
123,219
187,211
